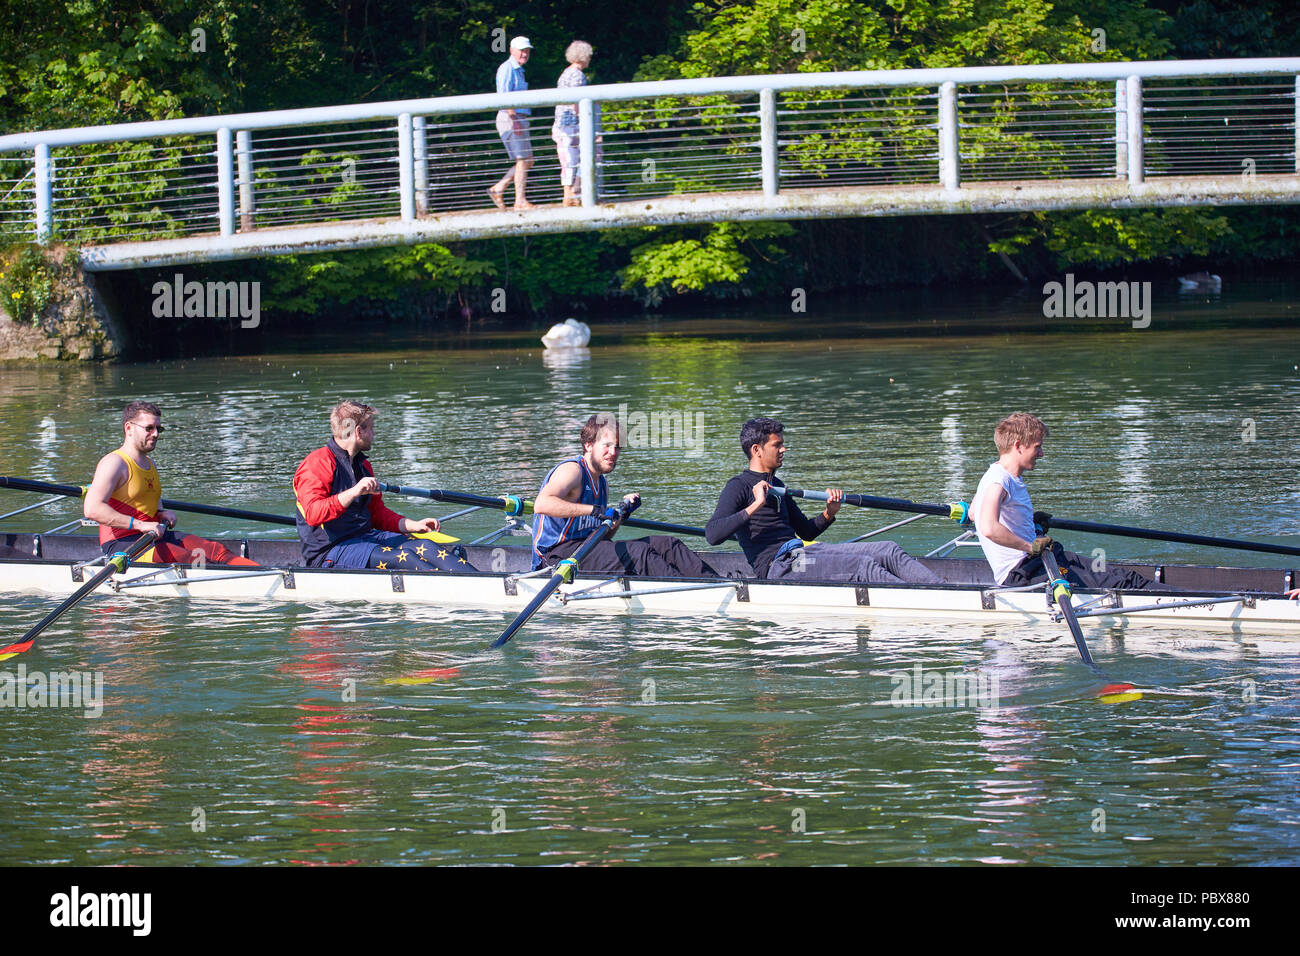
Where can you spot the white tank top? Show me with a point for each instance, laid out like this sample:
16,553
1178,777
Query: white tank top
1016,514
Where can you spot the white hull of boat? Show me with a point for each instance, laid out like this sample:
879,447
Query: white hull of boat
1265,616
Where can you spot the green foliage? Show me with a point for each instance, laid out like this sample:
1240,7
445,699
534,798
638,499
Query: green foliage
674,260
1111,237
27,280
544,269
805,36
77,63
85,62
309,284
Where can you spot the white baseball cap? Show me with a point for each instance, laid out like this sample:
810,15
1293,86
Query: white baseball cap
520,43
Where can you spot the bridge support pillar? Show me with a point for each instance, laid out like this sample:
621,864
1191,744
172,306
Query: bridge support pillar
43,175
1297,124
244,161
405,167
587,151
949,148
420,149
225,183
769,150
1133,90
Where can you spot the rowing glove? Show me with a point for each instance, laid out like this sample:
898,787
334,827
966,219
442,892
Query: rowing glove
1041,543
1042,521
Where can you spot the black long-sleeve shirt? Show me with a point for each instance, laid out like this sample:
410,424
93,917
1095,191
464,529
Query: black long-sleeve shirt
761,534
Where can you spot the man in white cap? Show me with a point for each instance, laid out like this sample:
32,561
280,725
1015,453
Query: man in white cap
512,126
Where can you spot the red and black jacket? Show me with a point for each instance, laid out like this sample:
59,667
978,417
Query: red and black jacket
323,522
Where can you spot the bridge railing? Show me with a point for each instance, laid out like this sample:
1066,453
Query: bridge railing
756,135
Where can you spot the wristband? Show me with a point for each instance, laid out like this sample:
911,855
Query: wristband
130,523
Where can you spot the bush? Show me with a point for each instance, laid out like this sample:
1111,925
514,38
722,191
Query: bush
26,283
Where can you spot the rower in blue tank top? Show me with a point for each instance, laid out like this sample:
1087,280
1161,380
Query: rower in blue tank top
548,531
572,501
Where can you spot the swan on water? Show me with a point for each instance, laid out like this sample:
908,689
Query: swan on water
570,334
1200,282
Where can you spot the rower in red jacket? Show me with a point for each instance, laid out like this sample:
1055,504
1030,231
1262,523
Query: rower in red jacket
342,519
125,494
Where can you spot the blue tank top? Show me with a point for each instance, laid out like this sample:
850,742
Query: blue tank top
549,531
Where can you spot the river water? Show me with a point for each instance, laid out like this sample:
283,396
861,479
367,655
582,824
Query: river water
280,733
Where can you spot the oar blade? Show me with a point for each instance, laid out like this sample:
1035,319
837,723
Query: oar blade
1118,694
424,677
13,650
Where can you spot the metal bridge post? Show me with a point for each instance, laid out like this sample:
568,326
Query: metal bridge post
44,180
769,150
405,167
225,183
1133,87
587,151
949,156
421,166
1297,124
1121,130
244,162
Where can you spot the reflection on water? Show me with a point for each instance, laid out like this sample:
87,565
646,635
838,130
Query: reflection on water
353,733
557,359
648,740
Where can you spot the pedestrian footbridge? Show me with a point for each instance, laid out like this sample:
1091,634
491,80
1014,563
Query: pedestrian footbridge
787,146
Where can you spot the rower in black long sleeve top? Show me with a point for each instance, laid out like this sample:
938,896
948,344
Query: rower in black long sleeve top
761,535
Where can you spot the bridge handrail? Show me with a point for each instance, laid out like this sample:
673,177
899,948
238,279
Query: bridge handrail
614,92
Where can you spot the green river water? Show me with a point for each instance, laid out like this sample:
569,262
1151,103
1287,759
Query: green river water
269,733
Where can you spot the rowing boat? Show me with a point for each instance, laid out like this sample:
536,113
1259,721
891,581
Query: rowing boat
1234,603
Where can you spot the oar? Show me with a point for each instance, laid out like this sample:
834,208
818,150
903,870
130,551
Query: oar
1113,693
116,563
513,505
566,569
79,491
1061,591
959,511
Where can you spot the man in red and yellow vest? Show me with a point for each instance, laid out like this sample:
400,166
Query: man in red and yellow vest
342,519
126,492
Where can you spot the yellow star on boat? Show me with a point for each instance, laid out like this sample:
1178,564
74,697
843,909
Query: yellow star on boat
420,550
442,552
462,561
386,550
382,566
401,556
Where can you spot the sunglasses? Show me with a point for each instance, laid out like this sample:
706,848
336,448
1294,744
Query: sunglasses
149,428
